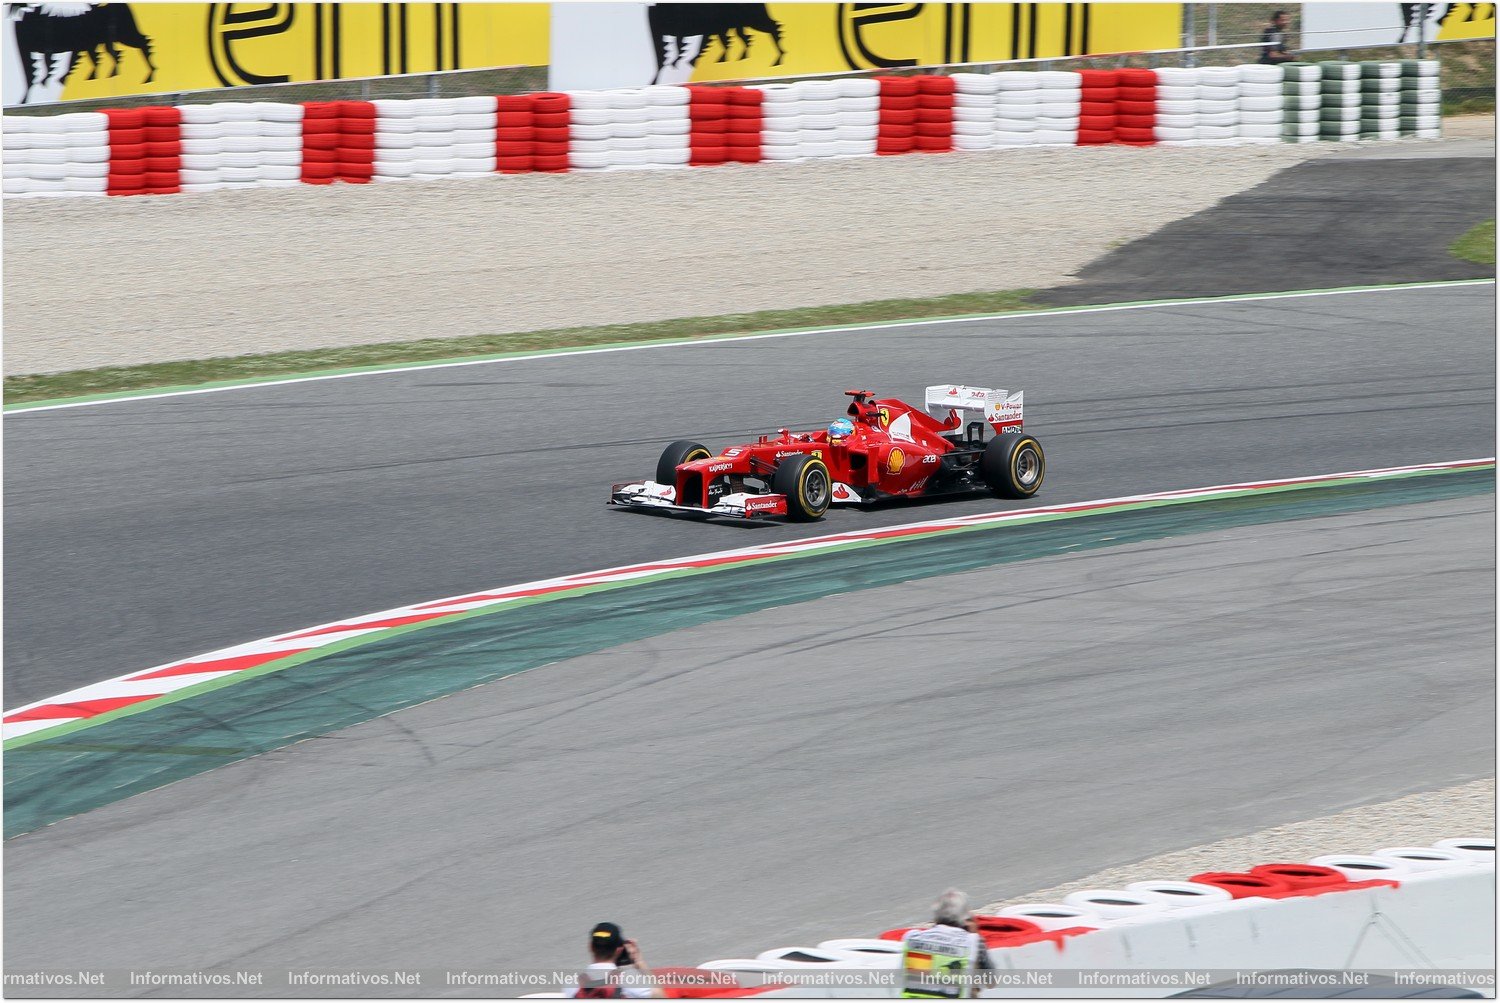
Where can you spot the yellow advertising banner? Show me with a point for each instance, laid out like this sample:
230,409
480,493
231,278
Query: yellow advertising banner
791,39
1466,20
68,52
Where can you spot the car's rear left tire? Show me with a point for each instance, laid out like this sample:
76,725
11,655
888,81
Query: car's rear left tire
1013,465
680,452
807,485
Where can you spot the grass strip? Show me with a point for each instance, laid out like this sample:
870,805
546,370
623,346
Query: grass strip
1478,245
112,379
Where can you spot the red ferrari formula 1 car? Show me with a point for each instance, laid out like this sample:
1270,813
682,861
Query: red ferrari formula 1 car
885,449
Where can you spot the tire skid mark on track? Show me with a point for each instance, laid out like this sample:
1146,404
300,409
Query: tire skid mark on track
139,691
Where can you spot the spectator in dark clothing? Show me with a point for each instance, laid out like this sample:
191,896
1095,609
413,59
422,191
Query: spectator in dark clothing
1273,40
618,971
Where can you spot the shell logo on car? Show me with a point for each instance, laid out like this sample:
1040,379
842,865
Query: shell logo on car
895,460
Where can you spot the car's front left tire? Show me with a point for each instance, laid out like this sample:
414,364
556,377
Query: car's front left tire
807,485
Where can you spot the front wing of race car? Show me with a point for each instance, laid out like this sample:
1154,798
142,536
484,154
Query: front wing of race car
651,496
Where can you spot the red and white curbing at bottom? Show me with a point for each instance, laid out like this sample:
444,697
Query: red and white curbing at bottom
138,689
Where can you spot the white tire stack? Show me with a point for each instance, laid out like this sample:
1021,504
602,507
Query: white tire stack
814,119
1380,100
668,127
435,138
1218,106
974,111
55,155
629,127
1262,104
1302,102
1340,113
1059,104
1177,105
1421,99
241,144
1018,100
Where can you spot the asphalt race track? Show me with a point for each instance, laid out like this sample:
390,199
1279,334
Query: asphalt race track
778,778
1380,215
139,532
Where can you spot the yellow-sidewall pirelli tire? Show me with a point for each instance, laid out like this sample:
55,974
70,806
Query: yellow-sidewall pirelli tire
1014,465
679,452
807,485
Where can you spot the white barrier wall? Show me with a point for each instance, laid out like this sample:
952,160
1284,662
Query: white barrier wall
1395,908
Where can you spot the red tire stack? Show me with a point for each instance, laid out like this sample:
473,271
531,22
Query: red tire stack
321,129
935,114
515,134
745,124
549,129
1097,116
1135,111
898,115
127,152
356,149
708,113
145,151
163,150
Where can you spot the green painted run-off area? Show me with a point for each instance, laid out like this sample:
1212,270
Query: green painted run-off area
54,778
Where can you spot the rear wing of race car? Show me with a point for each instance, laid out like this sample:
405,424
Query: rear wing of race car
1001,410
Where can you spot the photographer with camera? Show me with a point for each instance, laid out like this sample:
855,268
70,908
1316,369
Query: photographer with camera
611,975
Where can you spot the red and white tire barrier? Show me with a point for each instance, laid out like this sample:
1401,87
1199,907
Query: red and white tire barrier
153,151
1410,907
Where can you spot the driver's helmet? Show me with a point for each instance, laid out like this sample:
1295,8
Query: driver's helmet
840,430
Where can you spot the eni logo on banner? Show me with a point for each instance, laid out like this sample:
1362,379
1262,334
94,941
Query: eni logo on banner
166,47
741,41
1464,20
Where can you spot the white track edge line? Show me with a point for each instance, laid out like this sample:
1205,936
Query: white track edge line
711,341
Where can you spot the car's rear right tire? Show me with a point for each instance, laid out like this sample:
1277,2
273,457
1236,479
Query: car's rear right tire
680,452
1013,465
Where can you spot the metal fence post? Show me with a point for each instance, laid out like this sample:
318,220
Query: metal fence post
1213,25
1422,31
1188,34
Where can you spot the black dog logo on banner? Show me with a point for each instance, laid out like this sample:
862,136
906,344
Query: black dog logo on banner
673,24
47,30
